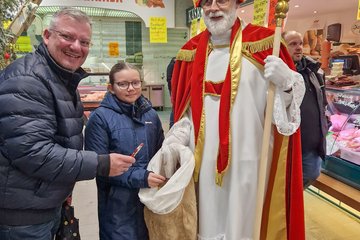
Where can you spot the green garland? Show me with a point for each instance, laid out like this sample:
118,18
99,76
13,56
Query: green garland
8,10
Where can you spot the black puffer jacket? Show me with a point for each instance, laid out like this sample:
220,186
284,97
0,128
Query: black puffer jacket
41,140
313,120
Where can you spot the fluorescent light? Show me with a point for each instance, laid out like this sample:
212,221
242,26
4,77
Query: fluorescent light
93,12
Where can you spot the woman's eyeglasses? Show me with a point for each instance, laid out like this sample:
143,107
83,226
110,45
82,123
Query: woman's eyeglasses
126,85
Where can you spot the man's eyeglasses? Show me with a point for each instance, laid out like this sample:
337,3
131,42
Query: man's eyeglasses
208,3
71,39
126,85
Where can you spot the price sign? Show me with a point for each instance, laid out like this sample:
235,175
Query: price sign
158,30
259,12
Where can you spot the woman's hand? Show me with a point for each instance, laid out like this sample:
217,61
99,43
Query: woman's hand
154,180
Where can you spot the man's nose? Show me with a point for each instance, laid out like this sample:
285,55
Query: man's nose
214,6
76,44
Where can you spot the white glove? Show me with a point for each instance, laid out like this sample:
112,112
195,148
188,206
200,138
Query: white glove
277,72
179,133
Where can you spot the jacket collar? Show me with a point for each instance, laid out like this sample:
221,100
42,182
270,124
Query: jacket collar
307,62
133,111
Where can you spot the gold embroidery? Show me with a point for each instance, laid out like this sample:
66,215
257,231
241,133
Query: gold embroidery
199,145
212,94
249,57
186,55
260,45
215,83
277,213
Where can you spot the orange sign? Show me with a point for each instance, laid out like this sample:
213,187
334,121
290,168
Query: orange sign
113,49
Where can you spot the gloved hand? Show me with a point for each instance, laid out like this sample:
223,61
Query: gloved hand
277,72
179,133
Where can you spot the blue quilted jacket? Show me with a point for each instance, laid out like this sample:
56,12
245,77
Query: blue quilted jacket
120,127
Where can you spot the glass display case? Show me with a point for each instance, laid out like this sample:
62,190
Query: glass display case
92,90
343,140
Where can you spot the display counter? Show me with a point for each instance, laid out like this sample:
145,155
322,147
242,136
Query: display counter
93,89
343,140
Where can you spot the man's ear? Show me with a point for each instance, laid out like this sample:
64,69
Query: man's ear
46,36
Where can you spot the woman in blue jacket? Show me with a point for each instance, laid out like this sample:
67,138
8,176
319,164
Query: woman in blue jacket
124,120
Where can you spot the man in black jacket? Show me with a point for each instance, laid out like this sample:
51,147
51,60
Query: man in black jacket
41,142
313,120
169,71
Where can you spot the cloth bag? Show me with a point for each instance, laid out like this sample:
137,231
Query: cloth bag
170,211
69,225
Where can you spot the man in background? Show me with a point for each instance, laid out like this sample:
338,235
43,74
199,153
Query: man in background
169,71
41,123
313,120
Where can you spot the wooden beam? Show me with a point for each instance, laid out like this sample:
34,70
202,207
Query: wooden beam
339,190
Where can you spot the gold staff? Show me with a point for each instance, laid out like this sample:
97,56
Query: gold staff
281,9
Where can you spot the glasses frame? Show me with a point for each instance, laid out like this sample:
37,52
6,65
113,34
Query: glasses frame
128,84
209,3
71,39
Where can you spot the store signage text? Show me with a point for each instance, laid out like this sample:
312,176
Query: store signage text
193,13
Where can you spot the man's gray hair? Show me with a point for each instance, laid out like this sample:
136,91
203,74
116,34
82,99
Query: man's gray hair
287,33
72,12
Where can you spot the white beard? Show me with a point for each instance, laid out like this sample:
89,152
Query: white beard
222,26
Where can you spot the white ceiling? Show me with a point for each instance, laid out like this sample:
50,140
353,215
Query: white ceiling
307,8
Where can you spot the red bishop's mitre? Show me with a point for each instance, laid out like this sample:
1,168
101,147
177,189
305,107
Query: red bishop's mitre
197,2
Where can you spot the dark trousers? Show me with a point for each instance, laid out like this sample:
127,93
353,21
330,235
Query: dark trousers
311,165
44,231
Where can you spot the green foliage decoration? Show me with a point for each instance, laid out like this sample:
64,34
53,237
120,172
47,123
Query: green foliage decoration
8,10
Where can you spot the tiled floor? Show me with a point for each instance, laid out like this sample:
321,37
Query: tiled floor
323,220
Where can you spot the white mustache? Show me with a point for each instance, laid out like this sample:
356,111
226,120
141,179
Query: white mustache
216,14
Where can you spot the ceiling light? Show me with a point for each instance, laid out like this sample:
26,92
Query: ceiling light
92,12
242,11
296,6
315,12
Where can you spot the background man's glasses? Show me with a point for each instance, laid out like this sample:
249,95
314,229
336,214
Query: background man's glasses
126,85
208,3
71,39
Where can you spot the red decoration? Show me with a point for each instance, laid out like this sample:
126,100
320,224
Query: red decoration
7,56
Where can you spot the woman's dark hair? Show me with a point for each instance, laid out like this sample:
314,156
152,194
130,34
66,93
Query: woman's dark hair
119,67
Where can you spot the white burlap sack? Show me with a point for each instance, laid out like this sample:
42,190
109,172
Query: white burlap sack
170,211
165,199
